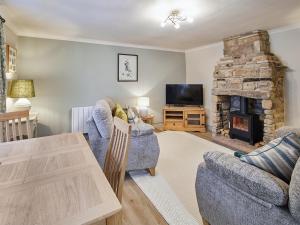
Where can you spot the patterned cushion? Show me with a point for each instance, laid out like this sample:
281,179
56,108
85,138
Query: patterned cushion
278,157
120,113
294,193
132,117
103,118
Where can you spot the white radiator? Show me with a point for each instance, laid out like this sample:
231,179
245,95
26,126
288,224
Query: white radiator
79,117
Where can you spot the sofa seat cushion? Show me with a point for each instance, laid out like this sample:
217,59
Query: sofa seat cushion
248,178
278,157
103,118
294,192
140,129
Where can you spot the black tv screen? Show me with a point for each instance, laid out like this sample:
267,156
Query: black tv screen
184,94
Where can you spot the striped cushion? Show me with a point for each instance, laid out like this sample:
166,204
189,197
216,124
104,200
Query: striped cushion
277,157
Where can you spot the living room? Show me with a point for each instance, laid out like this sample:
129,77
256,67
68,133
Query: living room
208,90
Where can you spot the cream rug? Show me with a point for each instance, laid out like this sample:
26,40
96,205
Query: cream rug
180,155
163,198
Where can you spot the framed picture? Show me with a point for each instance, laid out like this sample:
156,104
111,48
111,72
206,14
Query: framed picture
127,68
11,58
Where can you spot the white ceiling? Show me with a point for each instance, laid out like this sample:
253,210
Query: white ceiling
137,22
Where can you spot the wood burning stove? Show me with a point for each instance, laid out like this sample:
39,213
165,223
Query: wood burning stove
244,125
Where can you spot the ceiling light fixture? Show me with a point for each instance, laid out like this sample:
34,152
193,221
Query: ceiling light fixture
175,18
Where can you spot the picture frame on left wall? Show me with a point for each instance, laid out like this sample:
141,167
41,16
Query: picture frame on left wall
127,68
11,58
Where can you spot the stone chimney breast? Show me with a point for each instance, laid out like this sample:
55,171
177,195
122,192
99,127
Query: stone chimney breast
249,69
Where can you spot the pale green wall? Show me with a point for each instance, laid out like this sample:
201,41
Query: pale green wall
68,74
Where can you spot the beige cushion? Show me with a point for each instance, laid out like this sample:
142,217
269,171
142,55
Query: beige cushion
110,102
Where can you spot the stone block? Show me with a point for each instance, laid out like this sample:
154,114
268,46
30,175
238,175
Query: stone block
221,73
268,121
234,83
265,85
215,99
265,72
221,84
215,84
270,117
249,43
249,85
267,104
269,129
269,112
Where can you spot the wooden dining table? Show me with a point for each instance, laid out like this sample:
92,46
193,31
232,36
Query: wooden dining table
53,180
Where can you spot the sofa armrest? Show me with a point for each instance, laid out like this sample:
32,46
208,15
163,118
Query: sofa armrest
141,129
248,178
93,132
286,129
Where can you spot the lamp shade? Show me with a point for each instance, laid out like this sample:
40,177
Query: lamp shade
143,101
20,89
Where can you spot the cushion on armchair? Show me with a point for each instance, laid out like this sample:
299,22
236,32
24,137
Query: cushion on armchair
103,118
140,129
110,102
248,178
278,157
294,192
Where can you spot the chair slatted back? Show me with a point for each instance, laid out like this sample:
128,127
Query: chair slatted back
11,126
117,156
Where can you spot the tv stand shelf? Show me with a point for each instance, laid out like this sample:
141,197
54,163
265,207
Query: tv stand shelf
189,118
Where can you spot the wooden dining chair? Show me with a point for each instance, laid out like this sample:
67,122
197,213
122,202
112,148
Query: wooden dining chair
117,156
11,126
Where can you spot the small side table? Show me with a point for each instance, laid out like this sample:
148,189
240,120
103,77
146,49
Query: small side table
148,119
33,121
33,118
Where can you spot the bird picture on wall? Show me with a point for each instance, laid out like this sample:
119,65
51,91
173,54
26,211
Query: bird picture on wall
127,68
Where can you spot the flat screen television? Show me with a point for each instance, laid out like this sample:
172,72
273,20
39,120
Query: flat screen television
184,94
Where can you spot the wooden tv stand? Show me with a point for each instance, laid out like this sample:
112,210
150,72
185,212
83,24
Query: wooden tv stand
184,118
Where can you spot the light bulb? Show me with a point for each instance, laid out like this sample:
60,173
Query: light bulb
177,26
190,20
163,24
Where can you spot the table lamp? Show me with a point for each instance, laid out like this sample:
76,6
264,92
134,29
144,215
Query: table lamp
21,89
143,104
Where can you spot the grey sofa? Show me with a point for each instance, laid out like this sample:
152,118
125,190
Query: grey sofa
231,192
143,147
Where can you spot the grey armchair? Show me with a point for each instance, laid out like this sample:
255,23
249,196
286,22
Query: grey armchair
143,150
231,192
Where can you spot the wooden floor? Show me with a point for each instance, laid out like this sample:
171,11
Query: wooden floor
207,135
137,208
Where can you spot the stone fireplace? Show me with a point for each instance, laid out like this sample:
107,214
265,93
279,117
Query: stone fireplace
249,71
